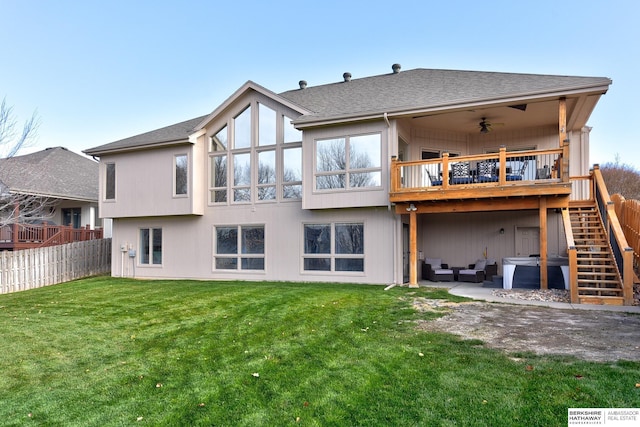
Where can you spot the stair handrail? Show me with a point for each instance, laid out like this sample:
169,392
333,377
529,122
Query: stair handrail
572,253
622,252
628,211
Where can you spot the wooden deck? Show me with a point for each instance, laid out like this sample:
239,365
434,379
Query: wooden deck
496,181
27,236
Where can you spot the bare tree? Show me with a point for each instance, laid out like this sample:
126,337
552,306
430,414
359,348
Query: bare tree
621,178
18,206
10,140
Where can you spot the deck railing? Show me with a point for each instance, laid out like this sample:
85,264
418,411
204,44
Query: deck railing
496,169
21,236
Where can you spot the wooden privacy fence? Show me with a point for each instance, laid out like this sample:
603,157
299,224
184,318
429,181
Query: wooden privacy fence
628,212
35,268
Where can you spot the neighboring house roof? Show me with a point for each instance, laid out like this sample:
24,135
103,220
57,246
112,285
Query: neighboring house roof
53,172
401,93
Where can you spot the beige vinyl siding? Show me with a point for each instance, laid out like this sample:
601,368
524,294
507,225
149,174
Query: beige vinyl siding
188,244
145,187
461,238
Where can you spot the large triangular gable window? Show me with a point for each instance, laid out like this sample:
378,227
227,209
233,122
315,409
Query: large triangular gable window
255,157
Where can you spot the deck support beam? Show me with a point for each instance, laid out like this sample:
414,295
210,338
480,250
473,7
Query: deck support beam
544,280
413,247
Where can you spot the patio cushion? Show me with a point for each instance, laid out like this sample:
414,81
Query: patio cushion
480,264
435,263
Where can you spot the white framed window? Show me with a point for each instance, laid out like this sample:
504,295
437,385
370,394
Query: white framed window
180,175
267,118
255,157
266,184
218,181
241,177
110,181
239,247
348,162
333,247
291,134
150,246
292,172
242,129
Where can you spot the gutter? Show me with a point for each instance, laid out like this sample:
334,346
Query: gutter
137,147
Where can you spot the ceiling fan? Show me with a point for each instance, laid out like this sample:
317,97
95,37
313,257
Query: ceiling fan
485,125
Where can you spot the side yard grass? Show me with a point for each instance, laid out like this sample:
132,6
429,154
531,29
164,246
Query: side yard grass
114,352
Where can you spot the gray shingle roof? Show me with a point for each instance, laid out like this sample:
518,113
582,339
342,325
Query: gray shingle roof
405,91
55,172
178,132
427,88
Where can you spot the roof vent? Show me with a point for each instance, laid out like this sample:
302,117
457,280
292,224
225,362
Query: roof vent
347,77
303,84
395,68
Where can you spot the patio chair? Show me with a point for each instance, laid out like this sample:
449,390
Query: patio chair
483,269
461,173
518,175
487,172
434,181
543,172
434,270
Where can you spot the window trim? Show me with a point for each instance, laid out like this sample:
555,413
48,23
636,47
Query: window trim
282,183
348,171
151,263
332,255
106,197
175,176
239,255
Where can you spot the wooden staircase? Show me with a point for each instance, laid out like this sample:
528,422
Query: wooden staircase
598,278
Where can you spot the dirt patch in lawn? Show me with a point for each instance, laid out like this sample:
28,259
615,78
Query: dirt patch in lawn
599,336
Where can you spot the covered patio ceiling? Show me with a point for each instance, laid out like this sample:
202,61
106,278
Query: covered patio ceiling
509,116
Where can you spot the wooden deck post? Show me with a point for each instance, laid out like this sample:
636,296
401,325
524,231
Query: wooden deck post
544,280
395,174
445,171
413,247
563,139
562,120
502,175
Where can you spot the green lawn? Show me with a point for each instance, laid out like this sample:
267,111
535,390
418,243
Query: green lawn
104,351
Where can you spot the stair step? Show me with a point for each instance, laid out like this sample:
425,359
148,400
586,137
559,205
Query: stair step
597,275
582,290
600,300
599,281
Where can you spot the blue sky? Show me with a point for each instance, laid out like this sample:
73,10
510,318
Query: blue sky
99,71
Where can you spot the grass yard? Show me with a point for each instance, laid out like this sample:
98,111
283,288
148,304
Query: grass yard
115,352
